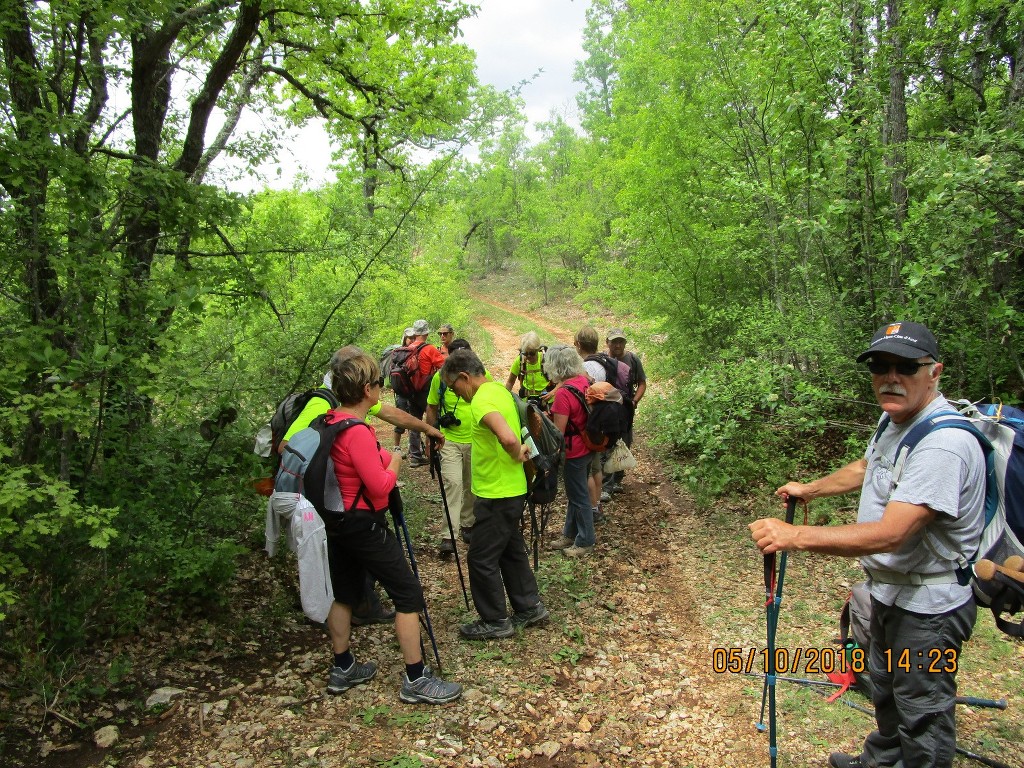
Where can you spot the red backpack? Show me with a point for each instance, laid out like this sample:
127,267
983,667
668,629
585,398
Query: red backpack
406,378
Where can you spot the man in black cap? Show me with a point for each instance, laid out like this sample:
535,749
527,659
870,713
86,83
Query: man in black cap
918,523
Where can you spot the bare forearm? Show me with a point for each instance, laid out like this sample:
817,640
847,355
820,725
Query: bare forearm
845,480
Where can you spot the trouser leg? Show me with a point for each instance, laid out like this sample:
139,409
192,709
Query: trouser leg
912,664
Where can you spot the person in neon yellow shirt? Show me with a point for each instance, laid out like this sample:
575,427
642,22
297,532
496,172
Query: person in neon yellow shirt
498,560
451,414
528,369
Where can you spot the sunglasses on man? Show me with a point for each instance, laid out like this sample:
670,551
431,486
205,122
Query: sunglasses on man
882,367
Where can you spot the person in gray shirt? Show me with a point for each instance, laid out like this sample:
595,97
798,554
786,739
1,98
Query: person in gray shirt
915,525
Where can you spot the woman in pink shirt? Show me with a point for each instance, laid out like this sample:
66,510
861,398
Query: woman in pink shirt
564,366
359,540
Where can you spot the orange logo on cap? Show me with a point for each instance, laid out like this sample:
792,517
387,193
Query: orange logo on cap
894,328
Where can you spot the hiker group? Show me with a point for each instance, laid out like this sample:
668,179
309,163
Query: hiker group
336,483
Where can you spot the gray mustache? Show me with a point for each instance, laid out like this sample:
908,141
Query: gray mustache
891,389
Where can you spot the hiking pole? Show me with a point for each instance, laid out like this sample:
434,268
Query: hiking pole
435,463
398,513
773,585
534,534
967,701
989,761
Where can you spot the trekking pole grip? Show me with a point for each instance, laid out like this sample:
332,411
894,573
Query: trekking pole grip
986,570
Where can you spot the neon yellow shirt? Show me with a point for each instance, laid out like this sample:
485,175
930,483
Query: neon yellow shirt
318,406
457,407
534,381
496,475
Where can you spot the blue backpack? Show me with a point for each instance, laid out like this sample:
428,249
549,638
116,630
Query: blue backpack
1000,432
307,469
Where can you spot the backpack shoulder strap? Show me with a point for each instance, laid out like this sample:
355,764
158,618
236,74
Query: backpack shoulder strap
326,394
950,420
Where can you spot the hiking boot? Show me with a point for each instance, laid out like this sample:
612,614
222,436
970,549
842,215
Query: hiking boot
341,680
381,616
428,689
615,489
844,760
417,461
487,630
578,552
446,550
605,496
466,533
531,616
560,543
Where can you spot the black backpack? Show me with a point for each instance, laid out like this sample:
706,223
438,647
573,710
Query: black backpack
288,411
616,372
606,422
542,470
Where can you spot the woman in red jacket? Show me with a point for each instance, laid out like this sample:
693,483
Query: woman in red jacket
359,540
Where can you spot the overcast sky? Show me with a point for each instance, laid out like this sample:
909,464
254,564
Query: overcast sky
513,40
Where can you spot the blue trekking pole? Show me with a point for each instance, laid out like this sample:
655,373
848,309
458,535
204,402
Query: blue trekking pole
773,599
397,507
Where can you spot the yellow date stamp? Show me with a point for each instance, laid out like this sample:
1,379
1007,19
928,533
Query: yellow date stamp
799,660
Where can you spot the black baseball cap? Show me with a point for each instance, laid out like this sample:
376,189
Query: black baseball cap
910,340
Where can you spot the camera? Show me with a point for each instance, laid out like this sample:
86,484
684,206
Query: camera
448,420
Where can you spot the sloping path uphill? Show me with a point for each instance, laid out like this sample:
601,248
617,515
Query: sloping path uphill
621,676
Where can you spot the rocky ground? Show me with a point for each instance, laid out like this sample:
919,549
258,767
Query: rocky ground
623,675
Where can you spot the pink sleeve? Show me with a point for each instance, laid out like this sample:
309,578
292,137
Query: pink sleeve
359,462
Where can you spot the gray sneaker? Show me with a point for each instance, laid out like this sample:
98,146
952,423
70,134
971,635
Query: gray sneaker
531,616
487,630
343,679
428,689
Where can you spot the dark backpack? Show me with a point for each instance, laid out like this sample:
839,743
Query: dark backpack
1000,432
288,411
387,362
306,465
542,470
616,372
406,378
605,421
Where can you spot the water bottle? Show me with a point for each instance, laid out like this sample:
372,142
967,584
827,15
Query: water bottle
528,441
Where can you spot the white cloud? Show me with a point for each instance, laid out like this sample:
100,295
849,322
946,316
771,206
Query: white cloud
513,40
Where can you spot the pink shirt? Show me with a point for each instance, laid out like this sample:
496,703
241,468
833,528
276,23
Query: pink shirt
359,462
566,403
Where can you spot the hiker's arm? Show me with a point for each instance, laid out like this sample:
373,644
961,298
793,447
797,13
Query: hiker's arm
640,389
510,382
560,420
510,441
844,480
899,522
399,418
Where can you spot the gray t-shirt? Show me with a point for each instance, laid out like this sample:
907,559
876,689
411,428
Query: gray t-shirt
946,473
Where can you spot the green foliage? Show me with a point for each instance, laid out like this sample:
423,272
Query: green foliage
747,418
142,303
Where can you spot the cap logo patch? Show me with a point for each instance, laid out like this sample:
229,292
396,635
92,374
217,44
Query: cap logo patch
894,328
